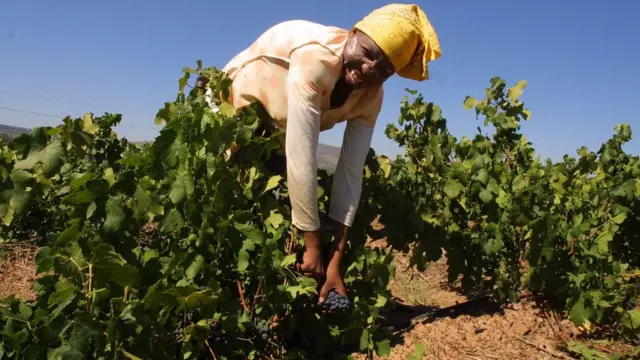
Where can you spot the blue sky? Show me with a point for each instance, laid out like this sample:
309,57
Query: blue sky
581,59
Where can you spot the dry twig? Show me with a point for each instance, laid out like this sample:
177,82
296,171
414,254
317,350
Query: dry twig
554,354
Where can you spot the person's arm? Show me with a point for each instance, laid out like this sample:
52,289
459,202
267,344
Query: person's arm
347,186
311,72
347,182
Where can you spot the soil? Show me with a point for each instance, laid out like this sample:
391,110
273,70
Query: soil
481,330
17,271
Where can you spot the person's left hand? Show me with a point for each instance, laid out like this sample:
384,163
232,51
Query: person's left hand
333,282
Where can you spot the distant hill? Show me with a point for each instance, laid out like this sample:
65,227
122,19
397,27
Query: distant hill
8,132
327,155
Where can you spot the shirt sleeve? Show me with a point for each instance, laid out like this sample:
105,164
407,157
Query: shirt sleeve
347,181
312,72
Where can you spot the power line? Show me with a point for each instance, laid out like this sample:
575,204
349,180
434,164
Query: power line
31,112
62,117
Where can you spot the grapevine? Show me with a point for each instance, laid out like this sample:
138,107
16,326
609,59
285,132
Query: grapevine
168,250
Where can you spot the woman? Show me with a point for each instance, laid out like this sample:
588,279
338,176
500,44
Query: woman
308,77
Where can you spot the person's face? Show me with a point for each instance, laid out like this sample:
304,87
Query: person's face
364,63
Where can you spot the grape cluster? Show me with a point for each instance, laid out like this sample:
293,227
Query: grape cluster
263,329
336,301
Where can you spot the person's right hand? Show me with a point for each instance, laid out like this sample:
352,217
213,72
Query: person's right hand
312,264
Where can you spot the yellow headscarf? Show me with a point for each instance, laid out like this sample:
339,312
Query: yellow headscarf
406,36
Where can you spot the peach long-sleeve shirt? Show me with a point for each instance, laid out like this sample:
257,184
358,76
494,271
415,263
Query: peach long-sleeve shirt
291,70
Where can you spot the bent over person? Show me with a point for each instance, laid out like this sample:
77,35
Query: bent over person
308,77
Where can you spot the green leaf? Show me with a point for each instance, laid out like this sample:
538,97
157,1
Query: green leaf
51,158
60,299
288,260
142,201
483,176
196,266
520,182
381,301
631,319
469,102
198,299
365,340
181,188
453,188
6,214
65,352
306,286
172,221
115,214
580,312
274,220
243,260
383,348
251,232
227,110
419,351
85,330
603,241
20,201
486,196
619,219
110,266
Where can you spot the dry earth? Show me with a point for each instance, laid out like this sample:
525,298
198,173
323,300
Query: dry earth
482,331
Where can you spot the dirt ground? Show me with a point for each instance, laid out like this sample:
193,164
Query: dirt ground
479,331
17,271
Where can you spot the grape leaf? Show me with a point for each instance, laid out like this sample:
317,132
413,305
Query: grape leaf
272,183
453,188
115,214
383,348
631,319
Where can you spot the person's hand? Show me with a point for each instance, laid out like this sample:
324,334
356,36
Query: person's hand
333,281
334,278
312,264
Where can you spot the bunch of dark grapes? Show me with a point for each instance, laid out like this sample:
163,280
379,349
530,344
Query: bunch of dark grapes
336,302
263,329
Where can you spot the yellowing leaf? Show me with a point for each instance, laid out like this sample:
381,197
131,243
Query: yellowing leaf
88,124
227,110
385,165
272,183
129,355
516,91
274,220
109,176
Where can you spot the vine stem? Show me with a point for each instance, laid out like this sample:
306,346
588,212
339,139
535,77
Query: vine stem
290,247
242,300
257,295
210,350
90,288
